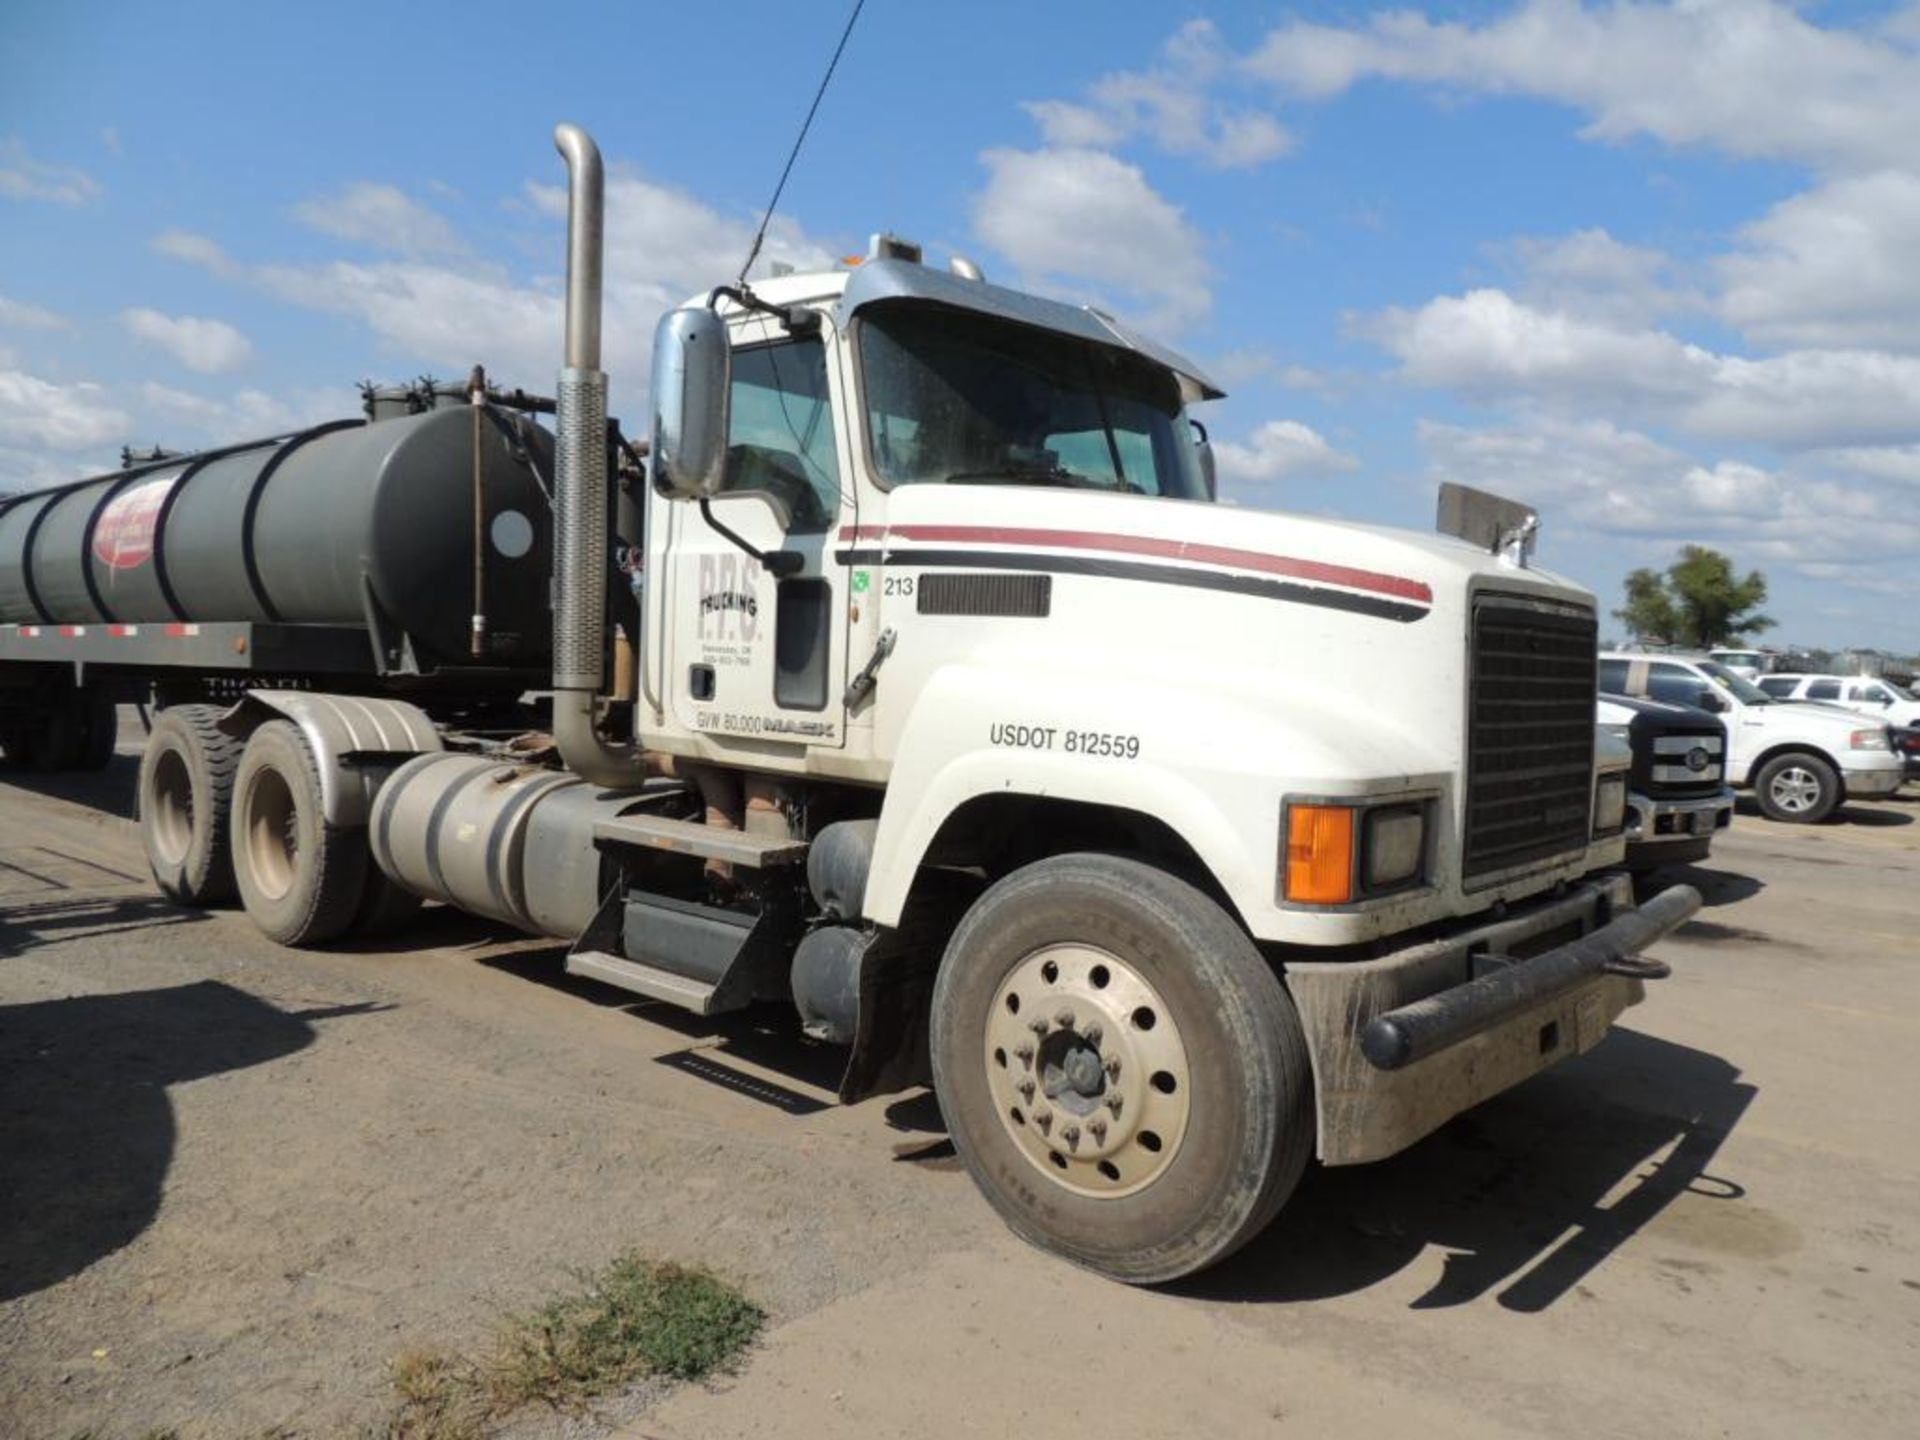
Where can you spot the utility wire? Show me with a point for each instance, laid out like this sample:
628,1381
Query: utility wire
760,235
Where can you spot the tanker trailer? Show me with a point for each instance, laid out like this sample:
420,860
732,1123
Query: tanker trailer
406,551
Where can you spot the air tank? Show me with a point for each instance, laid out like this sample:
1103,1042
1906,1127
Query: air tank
355,522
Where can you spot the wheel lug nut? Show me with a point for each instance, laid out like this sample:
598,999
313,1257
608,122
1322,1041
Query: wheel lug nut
1071,1134
1113,1067
1097,1129
1039,1027
1094,1034
1026,1090
1064,1019
1113,1104
1043,1120
1025,1053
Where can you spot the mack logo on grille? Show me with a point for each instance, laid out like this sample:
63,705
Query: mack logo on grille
1698,759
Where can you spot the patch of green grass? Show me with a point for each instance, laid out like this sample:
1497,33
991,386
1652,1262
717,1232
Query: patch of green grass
633,1320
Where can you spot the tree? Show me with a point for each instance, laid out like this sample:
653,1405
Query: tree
1698,603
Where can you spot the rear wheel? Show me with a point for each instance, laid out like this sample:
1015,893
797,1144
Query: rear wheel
1123,1074
1799,788
99,730
183,793
300,878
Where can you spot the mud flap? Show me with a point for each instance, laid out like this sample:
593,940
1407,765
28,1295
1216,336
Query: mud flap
891,1042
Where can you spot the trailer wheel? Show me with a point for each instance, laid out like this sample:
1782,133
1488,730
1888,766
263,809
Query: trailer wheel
1122,1073
300,878
1799,788
183,794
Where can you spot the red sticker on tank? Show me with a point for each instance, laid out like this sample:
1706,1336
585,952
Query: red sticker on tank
123,535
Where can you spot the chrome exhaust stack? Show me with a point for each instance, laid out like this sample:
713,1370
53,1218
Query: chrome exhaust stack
580,499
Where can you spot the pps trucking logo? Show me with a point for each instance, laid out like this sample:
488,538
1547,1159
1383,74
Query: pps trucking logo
123,535
728,607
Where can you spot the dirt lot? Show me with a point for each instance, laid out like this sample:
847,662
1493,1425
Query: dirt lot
236,1180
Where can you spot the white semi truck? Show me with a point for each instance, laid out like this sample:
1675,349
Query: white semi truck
940,701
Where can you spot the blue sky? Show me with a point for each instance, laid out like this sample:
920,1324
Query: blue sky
1651,267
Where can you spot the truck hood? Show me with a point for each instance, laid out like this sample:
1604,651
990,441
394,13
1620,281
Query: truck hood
1404,566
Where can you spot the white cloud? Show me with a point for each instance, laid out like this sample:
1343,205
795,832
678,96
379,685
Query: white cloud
1832,266
1073,218
1172,106
243,415
1898,463
1277,450
382,216
60,417
19,315
1488,345
24,178
1592,479
208,346
1591,274
1748,77
454,311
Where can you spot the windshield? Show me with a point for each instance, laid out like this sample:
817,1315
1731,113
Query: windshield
959,399
1741,689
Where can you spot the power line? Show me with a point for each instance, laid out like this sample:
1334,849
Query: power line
794,154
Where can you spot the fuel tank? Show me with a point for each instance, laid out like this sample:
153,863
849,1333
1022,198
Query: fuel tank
355,522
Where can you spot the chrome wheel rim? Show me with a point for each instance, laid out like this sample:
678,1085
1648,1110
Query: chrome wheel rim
1795,789
1088,1070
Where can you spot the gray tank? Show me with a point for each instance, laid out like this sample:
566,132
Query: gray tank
367,523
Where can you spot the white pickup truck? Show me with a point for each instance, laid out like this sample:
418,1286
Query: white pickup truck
1802,761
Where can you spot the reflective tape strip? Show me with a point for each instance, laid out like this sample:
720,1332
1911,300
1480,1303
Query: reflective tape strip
178,632
123,632
73,632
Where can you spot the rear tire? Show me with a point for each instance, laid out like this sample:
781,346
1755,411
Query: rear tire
300,878
1085,980
184,793
1798,789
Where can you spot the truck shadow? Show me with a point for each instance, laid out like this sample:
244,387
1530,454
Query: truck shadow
45,922
1525,1196
110,791
86,1128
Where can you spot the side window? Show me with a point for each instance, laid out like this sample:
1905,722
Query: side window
780,437
1824,690
1872,694
1675,683
1778,686
1613,677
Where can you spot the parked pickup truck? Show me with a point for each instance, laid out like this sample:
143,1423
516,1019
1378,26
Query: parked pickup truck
1677,791
1864,694
1801,761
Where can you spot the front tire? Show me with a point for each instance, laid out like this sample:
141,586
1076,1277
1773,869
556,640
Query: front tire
1798,789
300,878
1122,1073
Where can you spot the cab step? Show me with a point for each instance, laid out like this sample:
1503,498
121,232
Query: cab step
690,837
649,980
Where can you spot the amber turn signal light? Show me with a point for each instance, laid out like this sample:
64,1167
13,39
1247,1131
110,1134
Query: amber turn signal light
1320,854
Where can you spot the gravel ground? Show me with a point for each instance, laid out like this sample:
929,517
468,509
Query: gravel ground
236,1180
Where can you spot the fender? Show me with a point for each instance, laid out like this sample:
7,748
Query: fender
337,727
979,730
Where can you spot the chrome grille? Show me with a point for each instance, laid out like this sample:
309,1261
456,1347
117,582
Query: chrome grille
1530,725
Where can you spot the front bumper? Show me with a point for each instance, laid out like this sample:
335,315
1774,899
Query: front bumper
1402,1043
1877,781
1668,831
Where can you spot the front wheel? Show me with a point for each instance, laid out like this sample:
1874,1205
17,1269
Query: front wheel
1800,789
1123,1074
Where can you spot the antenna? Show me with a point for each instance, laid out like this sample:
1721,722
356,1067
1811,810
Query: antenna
760,235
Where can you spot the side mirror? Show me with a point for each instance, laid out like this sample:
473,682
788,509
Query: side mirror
1209,476
692,393
1711,702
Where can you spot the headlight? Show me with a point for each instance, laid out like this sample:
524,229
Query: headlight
1870,740
1337,854
1396,843
1609,804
